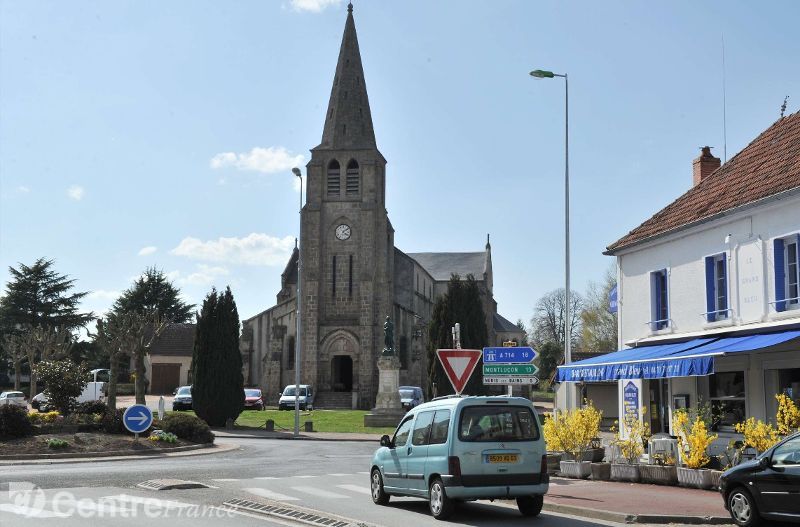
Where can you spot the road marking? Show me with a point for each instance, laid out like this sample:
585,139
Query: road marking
266,477
30,512
304,477
227,479
150,502
264,493
341,475
356,488
367,473
320,493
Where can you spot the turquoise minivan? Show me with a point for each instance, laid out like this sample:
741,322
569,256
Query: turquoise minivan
454,449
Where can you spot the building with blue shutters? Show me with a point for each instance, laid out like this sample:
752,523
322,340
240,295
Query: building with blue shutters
708,292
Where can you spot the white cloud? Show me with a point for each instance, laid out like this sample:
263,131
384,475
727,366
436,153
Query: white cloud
313,6
22,189
253,249
265,160
205,275
145,251
75,192
103,294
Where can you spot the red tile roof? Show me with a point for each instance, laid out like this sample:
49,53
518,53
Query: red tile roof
767,166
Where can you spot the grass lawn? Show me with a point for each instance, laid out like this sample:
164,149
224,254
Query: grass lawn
324,420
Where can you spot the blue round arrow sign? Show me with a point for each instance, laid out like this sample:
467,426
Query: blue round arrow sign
137,418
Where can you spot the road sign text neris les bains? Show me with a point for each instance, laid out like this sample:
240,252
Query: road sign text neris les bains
518,355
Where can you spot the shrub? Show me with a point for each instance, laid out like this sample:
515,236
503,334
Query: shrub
65,381
14,422
787,416
112,422
38,418
694,440
126,389
166,437
90,407
573,431
188,427
757,434
57,443
637,432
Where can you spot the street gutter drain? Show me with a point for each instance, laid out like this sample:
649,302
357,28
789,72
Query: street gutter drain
171,484
288,513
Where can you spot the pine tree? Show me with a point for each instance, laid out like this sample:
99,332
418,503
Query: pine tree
463,304
154,292
218,385
37,295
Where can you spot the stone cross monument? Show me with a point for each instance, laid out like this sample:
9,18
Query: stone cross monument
388,411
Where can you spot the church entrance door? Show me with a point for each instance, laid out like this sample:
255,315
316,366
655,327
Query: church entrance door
342,369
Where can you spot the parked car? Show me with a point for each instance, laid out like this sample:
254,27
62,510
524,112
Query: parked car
253,399
463,449
306,398
15,398
765,488
93,391
183,399
411,396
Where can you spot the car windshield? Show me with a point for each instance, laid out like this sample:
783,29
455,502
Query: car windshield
407,394
493,423
252,393
184,391
290,391
15,395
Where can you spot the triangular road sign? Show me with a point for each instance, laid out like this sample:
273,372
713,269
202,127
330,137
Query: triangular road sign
459,365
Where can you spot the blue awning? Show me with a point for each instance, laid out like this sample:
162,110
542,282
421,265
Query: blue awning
684,359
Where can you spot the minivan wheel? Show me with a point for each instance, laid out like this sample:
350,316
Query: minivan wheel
530,505
379,495
441,506
743,508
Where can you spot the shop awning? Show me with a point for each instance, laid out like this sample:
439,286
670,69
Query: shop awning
683,359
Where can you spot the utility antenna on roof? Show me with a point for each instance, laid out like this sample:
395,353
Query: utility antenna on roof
783,106
724,108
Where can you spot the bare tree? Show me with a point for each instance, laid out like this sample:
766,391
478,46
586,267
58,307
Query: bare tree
146,329
111,336
598,324
44,343
14,346
547,324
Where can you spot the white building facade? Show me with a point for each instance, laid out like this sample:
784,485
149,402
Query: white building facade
709,293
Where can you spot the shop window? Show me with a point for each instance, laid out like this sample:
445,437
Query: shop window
727,395
784,381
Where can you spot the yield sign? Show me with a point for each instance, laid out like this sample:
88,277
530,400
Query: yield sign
459,365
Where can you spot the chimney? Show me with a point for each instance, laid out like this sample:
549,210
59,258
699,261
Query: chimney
704,165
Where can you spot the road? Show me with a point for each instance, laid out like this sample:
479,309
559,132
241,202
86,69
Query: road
331,477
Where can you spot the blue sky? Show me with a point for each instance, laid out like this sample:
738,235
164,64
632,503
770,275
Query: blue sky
149,133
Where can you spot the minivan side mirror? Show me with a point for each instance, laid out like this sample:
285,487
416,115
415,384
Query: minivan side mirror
386,441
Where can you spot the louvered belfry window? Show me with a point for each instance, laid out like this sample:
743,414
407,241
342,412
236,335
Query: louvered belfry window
352,180
334,181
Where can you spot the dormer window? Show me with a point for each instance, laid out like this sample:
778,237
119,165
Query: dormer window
352,178
334,180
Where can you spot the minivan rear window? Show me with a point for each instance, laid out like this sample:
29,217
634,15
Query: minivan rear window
485,424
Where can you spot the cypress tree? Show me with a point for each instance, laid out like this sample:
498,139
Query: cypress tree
463,304
218,384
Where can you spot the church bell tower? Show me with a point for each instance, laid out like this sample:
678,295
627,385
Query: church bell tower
347,241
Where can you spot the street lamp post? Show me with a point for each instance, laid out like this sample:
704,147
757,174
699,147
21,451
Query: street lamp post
297,340
543,74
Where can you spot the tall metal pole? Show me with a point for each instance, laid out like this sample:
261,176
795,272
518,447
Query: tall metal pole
297,341
567,294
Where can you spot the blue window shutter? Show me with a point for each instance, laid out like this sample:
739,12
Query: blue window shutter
710,290
780,276
654,289
725,283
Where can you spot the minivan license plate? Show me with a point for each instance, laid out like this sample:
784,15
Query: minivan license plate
502,458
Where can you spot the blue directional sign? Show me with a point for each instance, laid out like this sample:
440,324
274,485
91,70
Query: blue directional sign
516,355
137,418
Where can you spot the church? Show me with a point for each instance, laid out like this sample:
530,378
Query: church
353,276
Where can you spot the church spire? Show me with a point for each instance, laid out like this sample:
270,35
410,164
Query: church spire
348,122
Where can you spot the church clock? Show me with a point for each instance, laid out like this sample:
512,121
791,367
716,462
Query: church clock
343,232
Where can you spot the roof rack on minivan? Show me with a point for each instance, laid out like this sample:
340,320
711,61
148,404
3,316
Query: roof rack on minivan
451,396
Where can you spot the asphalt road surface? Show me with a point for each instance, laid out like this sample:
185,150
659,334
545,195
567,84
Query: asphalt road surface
330,477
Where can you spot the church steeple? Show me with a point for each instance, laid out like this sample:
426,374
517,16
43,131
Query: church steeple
348,122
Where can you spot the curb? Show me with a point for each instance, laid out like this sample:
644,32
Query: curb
292,438
621,517
119,455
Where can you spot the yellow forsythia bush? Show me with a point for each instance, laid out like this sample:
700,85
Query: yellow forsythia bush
787,416
572,431
698,440
637,433
39,418
757,434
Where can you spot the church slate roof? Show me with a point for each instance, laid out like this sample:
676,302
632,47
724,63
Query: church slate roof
766,167
501,323
176,340
442,265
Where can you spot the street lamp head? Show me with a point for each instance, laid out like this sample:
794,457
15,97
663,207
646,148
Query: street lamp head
296,172
542,74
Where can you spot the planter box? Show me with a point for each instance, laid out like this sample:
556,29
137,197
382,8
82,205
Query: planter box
575,469
624,472
659,474
553,463
594,455
601,471
715,475
698,478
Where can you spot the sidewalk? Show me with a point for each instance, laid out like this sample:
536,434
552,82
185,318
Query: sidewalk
635,502
254,433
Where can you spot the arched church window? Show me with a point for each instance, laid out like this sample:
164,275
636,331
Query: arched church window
334,181
352,179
